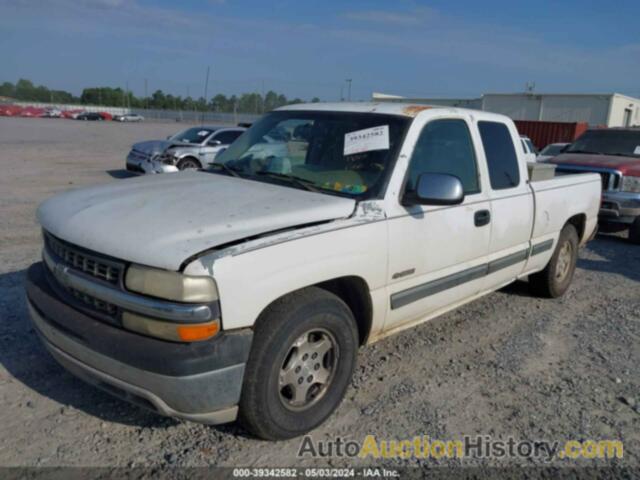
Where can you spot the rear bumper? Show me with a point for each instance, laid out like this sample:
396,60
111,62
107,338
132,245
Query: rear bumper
197,382
619,207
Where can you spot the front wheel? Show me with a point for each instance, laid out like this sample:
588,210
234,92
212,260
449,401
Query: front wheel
188,164
556,277
300,366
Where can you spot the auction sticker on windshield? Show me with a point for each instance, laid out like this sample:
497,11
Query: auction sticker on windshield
375,138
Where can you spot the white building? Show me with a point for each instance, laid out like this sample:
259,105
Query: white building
611,110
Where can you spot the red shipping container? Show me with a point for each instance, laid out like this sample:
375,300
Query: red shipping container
543,133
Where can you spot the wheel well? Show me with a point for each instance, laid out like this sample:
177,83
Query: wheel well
579,222
190,157
354,291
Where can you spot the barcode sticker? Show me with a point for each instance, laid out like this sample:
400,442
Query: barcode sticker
360,141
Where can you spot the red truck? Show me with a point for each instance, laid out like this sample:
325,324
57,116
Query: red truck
614,153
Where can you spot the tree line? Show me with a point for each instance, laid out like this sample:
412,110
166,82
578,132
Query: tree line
25,90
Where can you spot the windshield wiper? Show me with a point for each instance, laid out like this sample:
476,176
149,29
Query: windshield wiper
301,182
223,167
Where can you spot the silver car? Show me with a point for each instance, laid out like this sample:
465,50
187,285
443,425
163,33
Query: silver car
194,147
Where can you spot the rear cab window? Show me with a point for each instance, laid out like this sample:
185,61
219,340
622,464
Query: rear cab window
500,152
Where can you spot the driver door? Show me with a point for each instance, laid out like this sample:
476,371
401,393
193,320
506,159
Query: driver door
437,254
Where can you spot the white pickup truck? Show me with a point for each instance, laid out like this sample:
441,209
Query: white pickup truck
366,220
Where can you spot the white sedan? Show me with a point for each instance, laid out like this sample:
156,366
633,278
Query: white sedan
128,117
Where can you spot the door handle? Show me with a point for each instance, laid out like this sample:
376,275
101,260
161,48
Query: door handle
482,218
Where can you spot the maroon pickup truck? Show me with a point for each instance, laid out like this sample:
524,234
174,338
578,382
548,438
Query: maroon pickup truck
614,153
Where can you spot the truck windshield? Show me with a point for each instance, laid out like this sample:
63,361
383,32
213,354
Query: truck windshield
193,135
608,142
342,153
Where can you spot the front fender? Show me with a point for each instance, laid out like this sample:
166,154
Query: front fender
249,280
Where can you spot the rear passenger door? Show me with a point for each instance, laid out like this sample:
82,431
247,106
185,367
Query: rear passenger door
511,203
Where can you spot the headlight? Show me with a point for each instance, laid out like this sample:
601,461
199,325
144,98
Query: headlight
171,285
631,184
177,332
168,158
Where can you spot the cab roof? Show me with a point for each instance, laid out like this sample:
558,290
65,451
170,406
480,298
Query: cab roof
389,108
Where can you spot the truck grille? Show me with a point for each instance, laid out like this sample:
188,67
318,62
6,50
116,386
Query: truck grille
611,179
102,269
86,263
95,303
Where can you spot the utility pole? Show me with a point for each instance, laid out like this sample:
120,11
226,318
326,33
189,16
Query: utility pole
348,89
206,87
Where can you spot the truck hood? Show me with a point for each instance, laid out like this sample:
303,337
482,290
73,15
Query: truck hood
156,147
162,220
626,165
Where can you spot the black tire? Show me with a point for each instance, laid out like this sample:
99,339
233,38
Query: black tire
266,409
634,231
188,162
554,280
604,227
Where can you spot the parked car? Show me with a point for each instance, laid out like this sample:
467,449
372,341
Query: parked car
95,116
529,148
192,148
249,286
128,117
34,112
614,153
551,151
52,113
72,114
10,110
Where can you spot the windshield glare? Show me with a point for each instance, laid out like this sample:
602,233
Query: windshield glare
608,142
343,153
193,135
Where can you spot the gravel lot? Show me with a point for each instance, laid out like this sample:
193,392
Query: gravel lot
508,364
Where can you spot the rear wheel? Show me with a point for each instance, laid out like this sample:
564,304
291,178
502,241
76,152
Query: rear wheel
634,231
303,356
556,277
189,163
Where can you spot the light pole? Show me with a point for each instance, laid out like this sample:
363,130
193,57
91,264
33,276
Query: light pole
348,89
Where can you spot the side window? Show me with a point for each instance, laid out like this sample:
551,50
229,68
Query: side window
445,146
228,137
501,155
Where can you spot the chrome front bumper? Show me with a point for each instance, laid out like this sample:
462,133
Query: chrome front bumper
619,207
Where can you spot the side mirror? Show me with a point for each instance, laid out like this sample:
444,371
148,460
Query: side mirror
564,149
435,189
169,137
214,143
